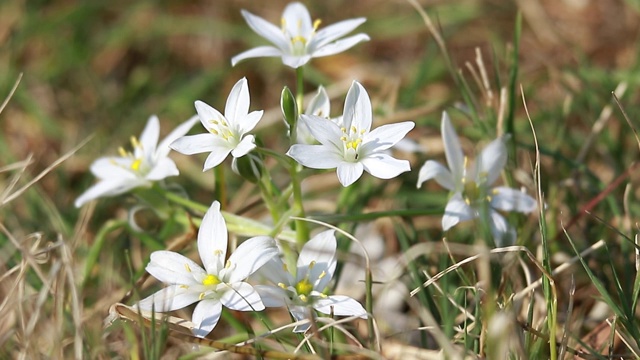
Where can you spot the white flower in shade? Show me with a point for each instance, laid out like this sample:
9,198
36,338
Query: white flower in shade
304,290
219,284
320,106
298,40
470,185
226,133
147,162
353,148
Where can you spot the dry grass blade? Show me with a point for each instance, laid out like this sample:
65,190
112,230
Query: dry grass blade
13,90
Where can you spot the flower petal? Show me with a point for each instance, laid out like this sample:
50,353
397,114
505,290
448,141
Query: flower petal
237,106
320,251
295,61
112,168
357,108
107,188
216,157
434,170
242,297
206,316
207,114
333,32
349,172
149,137
315,156
491,161
385,136
172,268
452,148
179,131
172,297
297,21
340,45
164,168
340,305
272,296
257,52
213,239
250,256
244,147
267,30
195,144
301,313
384,166
250,121
325,131
503,233
275,271
456,211
508,199
320,104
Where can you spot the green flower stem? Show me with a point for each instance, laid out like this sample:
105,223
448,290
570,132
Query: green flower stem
302,230
300,88
330,218
220,190
95,250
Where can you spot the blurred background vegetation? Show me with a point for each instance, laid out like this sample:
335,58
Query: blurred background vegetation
101,68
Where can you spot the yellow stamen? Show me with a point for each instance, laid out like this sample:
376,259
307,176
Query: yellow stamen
214,122
135,142
353,129
214,131
201,296
312,264
122,152
302,297
184,286
227,264
316,24
186,266
282,286
322,274
135,166
210,280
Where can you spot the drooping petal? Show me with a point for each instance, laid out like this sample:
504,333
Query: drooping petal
325,131
242,297
297,21
384,166
340,45
172,297
207,114
452,148
385,136
172,268
508,199
164,168
179,131
491,161
267,30
434,170
315,156
301,313
349,172
213,239
257,52
237,106
357,108
321,251
149,137
320,104
340,305
206,316
333,32
272,296
250,256
503,233
195,144
107,188
244,147
295,61
112,168
216,157
456,211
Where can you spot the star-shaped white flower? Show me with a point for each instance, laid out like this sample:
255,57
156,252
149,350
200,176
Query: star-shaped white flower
148,162
353,148
298,40
226,133
219,284
304,290
470,185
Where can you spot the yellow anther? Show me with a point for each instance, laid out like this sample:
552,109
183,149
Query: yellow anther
282,286
134,142
122,152
322,274
210,280
303,297
184,286
353,129
363,131
214,131
227,264
135,166
186,266
217,252
324,296
214,122
343,130
344,138
201,296
312,264
283,23
316,24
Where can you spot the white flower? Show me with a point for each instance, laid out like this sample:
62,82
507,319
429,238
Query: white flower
304,291
226,133
319,106
219,284
352,148
298,40
470,185
148,162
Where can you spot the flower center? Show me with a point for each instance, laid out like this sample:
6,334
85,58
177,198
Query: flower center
210,280
298,40
352,140
138,164
221,129
304,288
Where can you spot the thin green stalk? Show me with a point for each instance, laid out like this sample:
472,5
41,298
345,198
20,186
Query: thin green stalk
302,230
220,190
98,244
299,88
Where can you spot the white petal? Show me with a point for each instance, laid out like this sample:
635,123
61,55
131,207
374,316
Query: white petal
503,233
384,166
272,296
244,147
249,122
340,305
452,148
164,168
206,316
434,170
171,298
195,144
149,137
321,251
275,271
491,161
357,108
207,114
386,136
180,130
340,45
324,130
297,20
257,52
295,61
315,156
237,106
216,157
213,239
456,211
107,188
266,30
301,313
334,32
250,256
320,105
508,199
242,297
172,268
349,172
112,168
